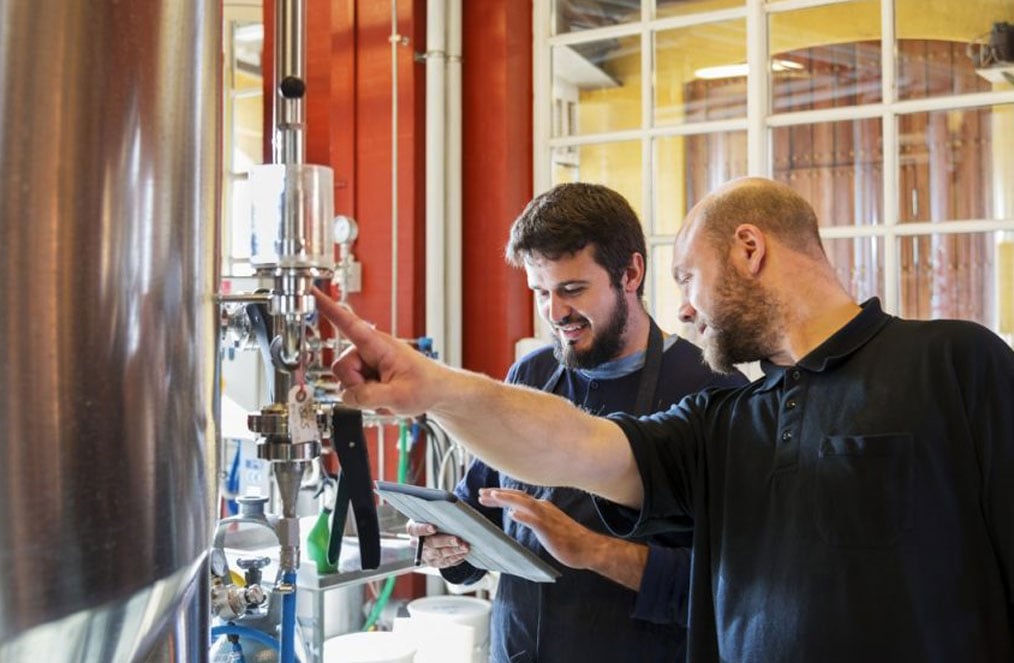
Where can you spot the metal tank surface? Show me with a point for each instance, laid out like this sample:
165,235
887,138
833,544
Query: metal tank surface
109,171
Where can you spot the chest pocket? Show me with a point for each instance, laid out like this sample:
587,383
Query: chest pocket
863,489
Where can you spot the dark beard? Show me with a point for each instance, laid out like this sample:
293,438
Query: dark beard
605,346
744,325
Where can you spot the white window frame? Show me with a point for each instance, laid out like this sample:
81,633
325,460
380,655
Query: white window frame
758,123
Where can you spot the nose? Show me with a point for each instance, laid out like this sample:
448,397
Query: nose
686,312
556,309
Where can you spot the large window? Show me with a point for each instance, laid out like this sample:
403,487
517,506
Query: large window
242,123
894,118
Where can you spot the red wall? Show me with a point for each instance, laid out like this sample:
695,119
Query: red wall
497,162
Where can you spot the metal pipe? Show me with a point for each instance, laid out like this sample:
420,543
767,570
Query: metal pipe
290,82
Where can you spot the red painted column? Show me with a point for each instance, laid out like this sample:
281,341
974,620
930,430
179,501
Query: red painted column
497,167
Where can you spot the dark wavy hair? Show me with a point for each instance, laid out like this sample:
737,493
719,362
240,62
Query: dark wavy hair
569,217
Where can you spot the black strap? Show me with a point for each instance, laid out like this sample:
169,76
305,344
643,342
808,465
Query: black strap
650,373
339,514
554,379
355,487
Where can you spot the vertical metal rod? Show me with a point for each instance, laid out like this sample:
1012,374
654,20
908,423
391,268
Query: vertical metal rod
290,67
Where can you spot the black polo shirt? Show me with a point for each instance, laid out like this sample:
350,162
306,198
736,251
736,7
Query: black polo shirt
858,506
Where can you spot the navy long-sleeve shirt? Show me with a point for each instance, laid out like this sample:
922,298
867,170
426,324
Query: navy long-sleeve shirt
584,616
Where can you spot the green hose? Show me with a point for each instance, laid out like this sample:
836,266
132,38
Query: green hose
385,593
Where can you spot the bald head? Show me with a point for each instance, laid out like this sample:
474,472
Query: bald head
773,207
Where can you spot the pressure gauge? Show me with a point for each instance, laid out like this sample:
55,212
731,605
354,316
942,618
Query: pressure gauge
219,565
345,229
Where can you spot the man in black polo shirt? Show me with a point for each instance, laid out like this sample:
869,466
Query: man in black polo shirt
855,503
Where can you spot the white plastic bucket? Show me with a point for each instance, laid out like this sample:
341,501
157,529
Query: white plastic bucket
461,611
369,647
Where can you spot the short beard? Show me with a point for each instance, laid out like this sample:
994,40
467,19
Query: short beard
606,344
745,323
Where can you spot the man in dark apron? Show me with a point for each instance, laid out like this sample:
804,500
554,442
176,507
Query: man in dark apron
584,252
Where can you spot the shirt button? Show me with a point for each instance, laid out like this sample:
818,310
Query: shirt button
786,436
594,385
790,405
795,375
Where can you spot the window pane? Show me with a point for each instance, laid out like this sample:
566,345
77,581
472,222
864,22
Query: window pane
940,45
243,139
1005,285
597,86
825,56
666,8
700,73
836,166
666,298
577,15
954,276
616,165
688,167
954,164
932,68
859,264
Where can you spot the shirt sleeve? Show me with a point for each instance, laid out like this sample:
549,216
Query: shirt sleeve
663,595
666,453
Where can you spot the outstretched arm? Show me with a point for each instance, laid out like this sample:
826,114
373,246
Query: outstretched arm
536,437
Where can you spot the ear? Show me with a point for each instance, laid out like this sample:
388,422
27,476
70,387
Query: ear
749,248
633,274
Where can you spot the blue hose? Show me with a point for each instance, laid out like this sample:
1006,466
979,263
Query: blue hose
244,632
288,651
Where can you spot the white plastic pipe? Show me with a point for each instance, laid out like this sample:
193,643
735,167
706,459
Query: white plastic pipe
436,273
394,39
454,309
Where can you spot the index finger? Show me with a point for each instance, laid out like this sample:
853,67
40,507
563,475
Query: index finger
515,499
348,323
414,528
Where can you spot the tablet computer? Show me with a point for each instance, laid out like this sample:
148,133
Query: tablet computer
489,547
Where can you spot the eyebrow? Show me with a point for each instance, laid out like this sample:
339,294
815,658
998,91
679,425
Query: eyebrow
562,284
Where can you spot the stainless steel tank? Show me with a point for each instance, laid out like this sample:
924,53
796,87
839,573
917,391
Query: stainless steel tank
109,170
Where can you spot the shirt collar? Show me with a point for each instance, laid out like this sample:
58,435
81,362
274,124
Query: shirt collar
837,347
617,368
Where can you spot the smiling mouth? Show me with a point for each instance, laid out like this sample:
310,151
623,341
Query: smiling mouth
571,332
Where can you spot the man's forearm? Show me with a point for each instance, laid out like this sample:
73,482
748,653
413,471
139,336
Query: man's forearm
537,437
621,561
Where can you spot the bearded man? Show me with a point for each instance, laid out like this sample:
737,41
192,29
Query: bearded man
583,250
